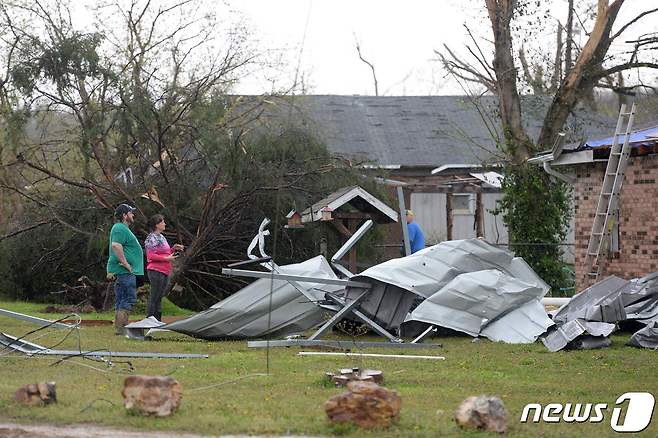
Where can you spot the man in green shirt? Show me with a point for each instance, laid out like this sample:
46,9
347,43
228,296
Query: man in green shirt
126,261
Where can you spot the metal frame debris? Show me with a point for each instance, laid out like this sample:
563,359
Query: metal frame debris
344,345
29,348
36,320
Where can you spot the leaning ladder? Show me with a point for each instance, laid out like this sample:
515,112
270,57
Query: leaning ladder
608,204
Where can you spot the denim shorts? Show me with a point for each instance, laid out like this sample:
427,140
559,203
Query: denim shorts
125,291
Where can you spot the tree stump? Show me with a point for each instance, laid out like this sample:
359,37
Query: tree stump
366,404
346,375
152,395
42,393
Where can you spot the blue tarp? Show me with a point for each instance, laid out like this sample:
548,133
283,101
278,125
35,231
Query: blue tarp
645,137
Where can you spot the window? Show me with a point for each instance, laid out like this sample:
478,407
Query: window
463,203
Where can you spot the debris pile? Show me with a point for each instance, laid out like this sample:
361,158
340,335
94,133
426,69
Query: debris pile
593,314
470,286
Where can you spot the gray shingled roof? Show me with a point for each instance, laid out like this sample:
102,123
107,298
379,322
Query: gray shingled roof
412,130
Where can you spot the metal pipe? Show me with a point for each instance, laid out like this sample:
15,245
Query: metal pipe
287,277
30,348
555,301
567,179
36,320
358,234
396,356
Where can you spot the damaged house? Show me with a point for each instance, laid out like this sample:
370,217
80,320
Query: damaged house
633,241
440,149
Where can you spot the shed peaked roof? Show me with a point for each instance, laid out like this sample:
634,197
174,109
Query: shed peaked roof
425,131
358,198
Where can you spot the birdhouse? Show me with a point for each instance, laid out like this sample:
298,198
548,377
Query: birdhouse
326,214
294,219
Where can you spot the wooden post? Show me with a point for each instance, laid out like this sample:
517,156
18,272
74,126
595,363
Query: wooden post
449,215
479,216
352,226
403,222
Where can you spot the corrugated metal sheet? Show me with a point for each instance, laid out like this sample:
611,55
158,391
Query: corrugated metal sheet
245,314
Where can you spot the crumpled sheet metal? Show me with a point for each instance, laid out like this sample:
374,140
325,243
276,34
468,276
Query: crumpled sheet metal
601,302
472,286
428,270
135,330
597,309
646,337
567,332
244,315
523,325
385,303
487,303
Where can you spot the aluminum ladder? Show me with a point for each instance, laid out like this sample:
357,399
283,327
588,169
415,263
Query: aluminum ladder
608,204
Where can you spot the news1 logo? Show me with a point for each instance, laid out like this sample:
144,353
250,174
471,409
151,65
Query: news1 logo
638,412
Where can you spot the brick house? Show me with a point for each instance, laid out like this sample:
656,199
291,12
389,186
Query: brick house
634,237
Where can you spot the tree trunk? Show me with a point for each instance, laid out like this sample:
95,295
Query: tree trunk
584,75
517,141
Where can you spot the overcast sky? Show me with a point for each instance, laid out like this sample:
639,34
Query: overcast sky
315,40
398,37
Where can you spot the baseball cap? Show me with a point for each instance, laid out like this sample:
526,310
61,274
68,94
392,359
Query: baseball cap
123,209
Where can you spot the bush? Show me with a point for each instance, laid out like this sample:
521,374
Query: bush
537,212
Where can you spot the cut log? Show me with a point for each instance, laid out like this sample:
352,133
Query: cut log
42,393
152,395
366,404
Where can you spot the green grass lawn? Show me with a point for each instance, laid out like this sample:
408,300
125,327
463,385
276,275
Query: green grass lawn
290,400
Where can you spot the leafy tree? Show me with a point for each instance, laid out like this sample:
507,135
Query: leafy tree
139,111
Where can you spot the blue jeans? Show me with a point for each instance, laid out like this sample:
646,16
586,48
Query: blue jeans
125,291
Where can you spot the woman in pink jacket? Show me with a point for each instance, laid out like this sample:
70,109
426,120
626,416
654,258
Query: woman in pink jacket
159,256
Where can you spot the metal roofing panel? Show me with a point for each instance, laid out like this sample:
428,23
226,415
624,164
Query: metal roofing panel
245,313
473,302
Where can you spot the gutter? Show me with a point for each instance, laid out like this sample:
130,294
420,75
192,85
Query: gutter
553,155
455,166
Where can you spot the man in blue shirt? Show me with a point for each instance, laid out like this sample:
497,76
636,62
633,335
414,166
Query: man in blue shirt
416,236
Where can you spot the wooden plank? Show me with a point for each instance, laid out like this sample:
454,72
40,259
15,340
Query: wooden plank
353,225
351,215
338,224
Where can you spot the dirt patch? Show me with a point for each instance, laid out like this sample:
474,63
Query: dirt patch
51,431
10,430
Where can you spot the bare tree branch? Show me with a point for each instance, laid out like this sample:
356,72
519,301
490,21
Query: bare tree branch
372,67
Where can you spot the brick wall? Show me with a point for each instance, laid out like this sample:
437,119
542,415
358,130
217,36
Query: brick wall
638,225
